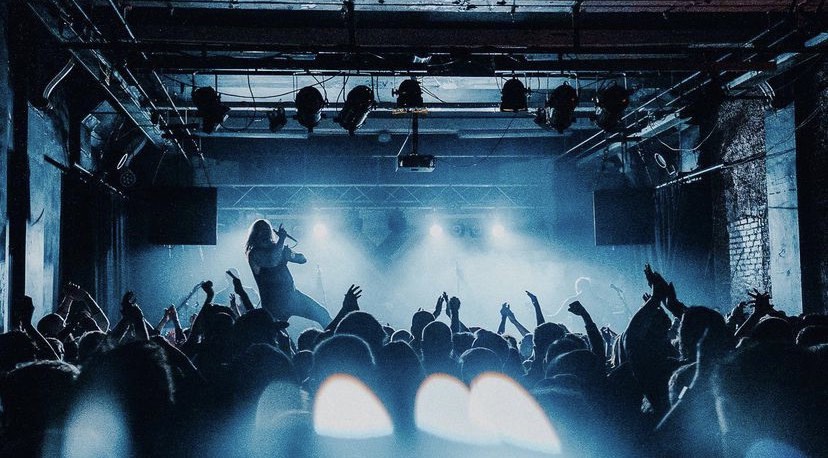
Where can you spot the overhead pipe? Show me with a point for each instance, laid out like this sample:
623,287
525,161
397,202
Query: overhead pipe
661,94
181,120
54,82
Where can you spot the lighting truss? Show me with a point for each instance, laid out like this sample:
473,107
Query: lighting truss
288,197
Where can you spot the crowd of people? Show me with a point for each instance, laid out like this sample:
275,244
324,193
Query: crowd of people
678,381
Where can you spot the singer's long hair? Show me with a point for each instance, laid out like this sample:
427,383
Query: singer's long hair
261,233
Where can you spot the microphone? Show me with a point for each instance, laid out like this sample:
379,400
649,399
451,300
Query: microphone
286,235
617,289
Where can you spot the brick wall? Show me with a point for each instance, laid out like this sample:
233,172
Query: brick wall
741,242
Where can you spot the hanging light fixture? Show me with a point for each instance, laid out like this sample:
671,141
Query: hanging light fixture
563,101
276,119
610,103
359,102
209,108
409,95
309,104
514,96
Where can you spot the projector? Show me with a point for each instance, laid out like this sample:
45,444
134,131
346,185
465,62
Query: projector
415,163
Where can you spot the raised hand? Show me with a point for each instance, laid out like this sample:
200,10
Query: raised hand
75,292
351,301
661,289
506,310
207,287
26,312
532,297
608,334
173,314
761,301
237,284
281,232
454,304
577,309
439,307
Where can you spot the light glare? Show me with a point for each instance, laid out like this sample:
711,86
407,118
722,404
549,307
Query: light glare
346,408
503,408
320,230
498,230
435,230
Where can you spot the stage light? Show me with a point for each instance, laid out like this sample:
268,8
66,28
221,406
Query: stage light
409,95
610,104
558,112
320,230
436,230
277,119
209,108
309,104
358,104
514,96
498,230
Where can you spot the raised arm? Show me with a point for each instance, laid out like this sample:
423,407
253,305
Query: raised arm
349,304
134,316
761,307
238,288
504,315
521,328
596,341
536,305
76,293
44,350
438,308
453,310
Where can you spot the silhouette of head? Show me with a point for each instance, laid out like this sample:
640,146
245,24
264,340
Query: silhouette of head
50,325
544,335
583,364
365,326
563,345
342,353
494,342
402,335
35,395
477,361
694,323
810,336
436,340
772,329
260,233
307,339
419,321
90,343
462,341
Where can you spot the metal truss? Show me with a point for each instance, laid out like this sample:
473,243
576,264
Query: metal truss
289,197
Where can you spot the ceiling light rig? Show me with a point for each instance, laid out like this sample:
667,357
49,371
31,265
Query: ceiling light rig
359,102
309,104
558,112
409,97
610,103
514,96
210,109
